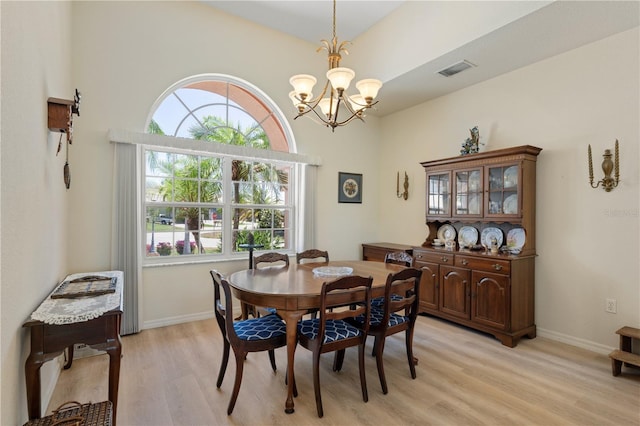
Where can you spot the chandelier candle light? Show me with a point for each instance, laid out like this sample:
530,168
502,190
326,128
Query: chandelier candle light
334,99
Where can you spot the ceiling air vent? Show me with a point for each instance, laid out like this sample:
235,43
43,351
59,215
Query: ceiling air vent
456,68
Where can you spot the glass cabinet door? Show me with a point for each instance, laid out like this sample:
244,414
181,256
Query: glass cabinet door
503,188
468,192
439,194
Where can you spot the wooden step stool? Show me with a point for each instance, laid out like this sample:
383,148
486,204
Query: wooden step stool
624,354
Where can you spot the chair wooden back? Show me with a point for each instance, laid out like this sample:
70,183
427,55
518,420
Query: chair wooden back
271,257
352,292
399,258
406,285
223,311
312,255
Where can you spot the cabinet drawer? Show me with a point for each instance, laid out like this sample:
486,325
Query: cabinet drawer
433,256
489,265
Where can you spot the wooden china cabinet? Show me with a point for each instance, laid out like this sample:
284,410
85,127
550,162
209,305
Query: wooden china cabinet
491,194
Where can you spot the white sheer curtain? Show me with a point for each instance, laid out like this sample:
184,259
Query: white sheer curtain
306,212
125,248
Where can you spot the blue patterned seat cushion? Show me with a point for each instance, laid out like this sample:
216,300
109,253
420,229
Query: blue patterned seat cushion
377,313
262,328
379,301
334,330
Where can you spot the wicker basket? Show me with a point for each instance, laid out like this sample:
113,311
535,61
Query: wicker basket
73,413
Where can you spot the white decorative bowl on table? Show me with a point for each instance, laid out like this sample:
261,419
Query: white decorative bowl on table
332,271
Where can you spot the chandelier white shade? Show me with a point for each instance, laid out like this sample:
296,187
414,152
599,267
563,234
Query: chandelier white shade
333,107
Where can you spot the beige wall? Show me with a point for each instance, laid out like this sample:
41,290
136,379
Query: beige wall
123,55
36,42
587,239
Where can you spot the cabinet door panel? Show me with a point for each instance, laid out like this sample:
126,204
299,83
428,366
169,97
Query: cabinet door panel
489,299
439,194
503,183
468,201
454,291
428,285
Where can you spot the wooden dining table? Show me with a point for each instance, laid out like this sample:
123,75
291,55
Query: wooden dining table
294,290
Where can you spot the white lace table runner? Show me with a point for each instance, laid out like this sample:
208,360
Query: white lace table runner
69,311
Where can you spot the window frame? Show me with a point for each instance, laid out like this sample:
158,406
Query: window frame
227,204
181,145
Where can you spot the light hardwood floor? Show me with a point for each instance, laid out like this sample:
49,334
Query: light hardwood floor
168,377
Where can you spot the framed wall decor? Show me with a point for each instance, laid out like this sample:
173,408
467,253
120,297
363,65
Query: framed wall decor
349,187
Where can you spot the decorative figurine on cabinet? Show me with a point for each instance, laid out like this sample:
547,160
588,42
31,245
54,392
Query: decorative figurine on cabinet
472,144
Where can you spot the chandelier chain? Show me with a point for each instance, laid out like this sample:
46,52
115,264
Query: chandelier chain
334,19
337,102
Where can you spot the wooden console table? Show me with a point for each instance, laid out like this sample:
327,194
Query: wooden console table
377,251
51,336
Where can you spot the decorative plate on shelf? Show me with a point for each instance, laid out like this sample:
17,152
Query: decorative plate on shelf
446,232
511,204
332,271
490,233
516,238
468,236
511,177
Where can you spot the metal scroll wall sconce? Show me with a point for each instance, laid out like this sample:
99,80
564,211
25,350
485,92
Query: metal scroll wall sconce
608,166
404,195
61,120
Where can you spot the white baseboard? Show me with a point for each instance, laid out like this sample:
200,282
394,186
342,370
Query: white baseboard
574,341
177,320
49,375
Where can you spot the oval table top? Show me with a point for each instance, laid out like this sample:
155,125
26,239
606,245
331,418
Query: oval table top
296,287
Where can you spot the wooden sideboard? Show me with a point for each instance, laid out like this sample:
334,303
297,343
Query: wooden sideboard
491,293
377,251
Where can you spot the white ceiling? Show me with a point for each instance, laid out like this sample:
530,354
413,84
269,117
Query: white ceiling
548,31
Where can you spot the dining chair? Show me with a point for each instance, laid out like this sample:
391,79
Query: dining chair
332,332
398,258
395,315
265,333
312,255
274,259
271,258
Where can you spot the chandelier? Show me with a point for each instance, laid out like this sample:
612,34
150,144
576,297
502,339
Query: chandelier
333,107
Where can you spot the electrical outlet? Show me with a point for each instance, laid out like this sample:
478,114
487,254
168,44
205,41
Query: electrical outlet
611,306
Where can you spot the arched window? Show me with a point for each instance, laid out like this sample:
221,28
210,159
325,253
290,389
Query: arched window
212,201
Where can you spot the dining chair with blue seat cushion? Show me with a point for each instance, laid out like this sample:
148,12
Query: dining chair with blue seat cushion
268,259
332,332
312,256
265,333
397,258
394,316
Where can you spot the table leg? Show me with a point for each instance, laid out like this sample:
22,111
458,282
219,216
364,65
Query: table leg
32,373
67,364
114,350
291,319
